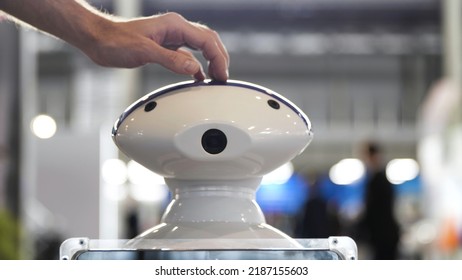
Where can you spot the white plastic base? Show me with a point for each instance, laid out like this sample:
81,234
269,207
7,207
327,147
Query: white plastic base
206,210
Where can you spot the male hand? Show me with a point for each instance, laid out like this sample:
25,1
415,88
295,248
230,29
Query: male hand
159,39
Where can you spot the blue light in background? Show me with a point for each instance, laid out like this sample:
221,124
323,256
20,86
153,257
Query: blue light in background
412,187
344,196
287,198
350,197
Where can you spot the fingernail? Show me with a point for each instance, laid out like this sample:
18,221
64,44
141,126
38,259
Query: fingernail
190,66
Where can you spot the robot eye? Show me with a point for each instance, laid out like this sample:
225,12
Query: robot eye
214,141
274,104
150,106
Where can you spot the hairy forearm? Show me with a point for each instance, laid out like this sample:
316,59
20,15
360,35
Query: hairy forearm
128,43
71,20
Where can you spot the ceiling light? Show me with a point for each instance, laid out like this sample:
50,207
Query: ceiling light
347,171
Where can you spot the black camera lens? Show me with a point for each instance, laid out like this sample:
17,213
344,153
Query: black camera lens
150,106
214,141
274,104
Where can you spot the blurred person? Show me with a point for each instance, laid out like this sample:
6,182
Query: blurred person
132,223
378,225
114,42
319,217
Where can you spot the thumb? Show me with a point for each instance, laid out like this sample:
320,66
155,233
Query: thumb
176,61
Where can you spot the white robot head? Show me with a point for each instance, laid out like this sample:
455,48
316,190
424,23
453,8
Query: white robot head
212,142
212,131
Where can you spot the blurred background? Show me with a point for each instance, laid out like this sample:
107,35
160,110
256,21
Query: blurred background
381,70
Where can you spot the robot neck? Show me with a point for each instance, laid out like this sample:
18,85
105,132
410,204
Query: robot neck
213,201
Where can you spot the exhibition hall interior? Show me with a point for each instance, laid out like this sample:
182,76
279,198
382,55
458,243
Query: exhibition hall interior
383,73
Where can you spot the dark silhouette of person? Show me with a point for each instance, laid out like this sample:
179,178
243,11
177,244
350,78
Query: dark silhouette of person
378,226
318,218
132,223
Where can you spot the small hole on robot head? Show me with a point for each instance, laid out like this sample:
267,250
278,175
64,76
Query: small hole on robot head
150,106
274,104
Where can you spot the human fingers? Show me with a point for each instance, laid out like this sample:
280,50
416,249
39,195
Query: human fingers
199,75
181,32
213,50
178,61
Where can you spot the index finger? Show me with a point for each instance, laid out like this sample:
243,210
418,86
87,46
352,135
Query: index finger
201,37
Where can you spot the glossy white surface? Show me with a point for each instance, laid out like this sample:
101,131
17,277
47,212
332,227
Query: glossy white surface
214,190
220,201
167,139
212,235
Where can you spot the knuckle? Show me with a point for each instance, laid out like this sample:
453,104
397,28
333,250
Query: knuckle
214,34
174,17
172,58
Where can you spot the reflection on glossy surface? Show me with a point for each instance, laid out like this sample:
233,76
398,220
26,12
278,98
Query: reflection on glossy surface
167,138
213,142
211,255
332,248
